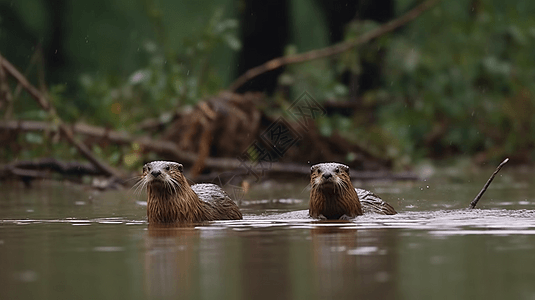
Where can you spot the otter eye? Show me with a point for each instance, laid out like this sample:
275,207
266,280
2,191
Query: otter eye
148,169
167,168
337,170
318,171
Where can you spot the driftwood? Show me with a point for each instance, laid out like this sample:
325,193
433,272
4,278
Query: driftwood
27,171
122,138
42,168
227,122
169,149
333,50
226,125
11,171
476,199
61,167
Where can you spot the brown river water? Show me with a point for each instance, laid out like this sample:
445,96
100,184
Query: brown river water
64,241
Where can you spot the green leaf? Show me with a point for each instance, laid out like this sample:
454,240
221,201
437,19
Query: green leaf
232,41
34,138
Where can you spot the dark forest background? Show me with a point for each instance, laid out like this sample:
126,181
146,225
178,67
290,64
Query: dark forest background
458,81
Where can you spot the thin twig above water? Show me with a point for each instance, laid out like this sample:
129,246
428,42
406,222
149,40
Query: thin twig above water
476,199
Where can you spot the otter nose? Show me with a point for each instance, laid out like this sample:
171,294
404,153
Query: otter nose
156,173
327,175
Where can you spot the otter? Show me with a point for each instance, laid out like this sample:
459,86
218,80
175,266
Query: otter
334,197
172,200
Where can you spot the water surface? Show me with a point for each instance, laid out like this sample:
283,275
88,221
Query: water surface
66,241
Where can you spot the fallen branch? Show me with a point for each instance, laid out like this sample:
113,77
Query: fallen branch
61,167
476,199
170,149
333,50
45,105
33,91
6,97
10,171
27,171
148,144
42,169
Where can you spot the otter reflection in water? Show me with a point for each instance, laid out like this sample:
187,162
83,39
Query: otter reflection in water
354,264
172,200
333,196
170,259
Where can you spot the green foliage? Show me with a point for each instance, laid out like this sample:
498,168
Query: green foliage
460,80
118,75
181,50
457,80
171,78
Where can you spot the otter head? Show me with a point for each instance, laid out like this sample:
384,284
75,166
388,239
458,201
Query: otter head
170,198
329,176
164,175
332,195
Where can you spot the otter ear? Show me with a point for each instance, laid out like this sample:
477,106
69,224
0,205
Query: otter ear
180,167
345,168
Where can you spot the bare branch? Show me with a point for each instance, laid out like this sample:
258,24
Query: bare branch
45,105
170,149
332,50
476,199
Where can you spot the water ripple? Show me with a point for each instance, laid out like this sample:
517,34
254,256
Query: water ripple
438,223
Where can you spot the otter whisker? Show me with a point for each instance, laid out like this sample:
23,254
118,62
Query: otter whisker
132,178
308,185
145,185
174,184
169,186
139,186
133,189
136,185
341,187
338,187
345,185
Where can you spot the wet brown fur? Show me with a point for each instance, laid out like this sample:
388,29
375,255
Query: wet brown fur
172,200
333,196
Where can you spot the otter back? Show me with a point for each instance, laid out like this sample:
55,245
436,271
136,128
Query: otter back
218,204
371,203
